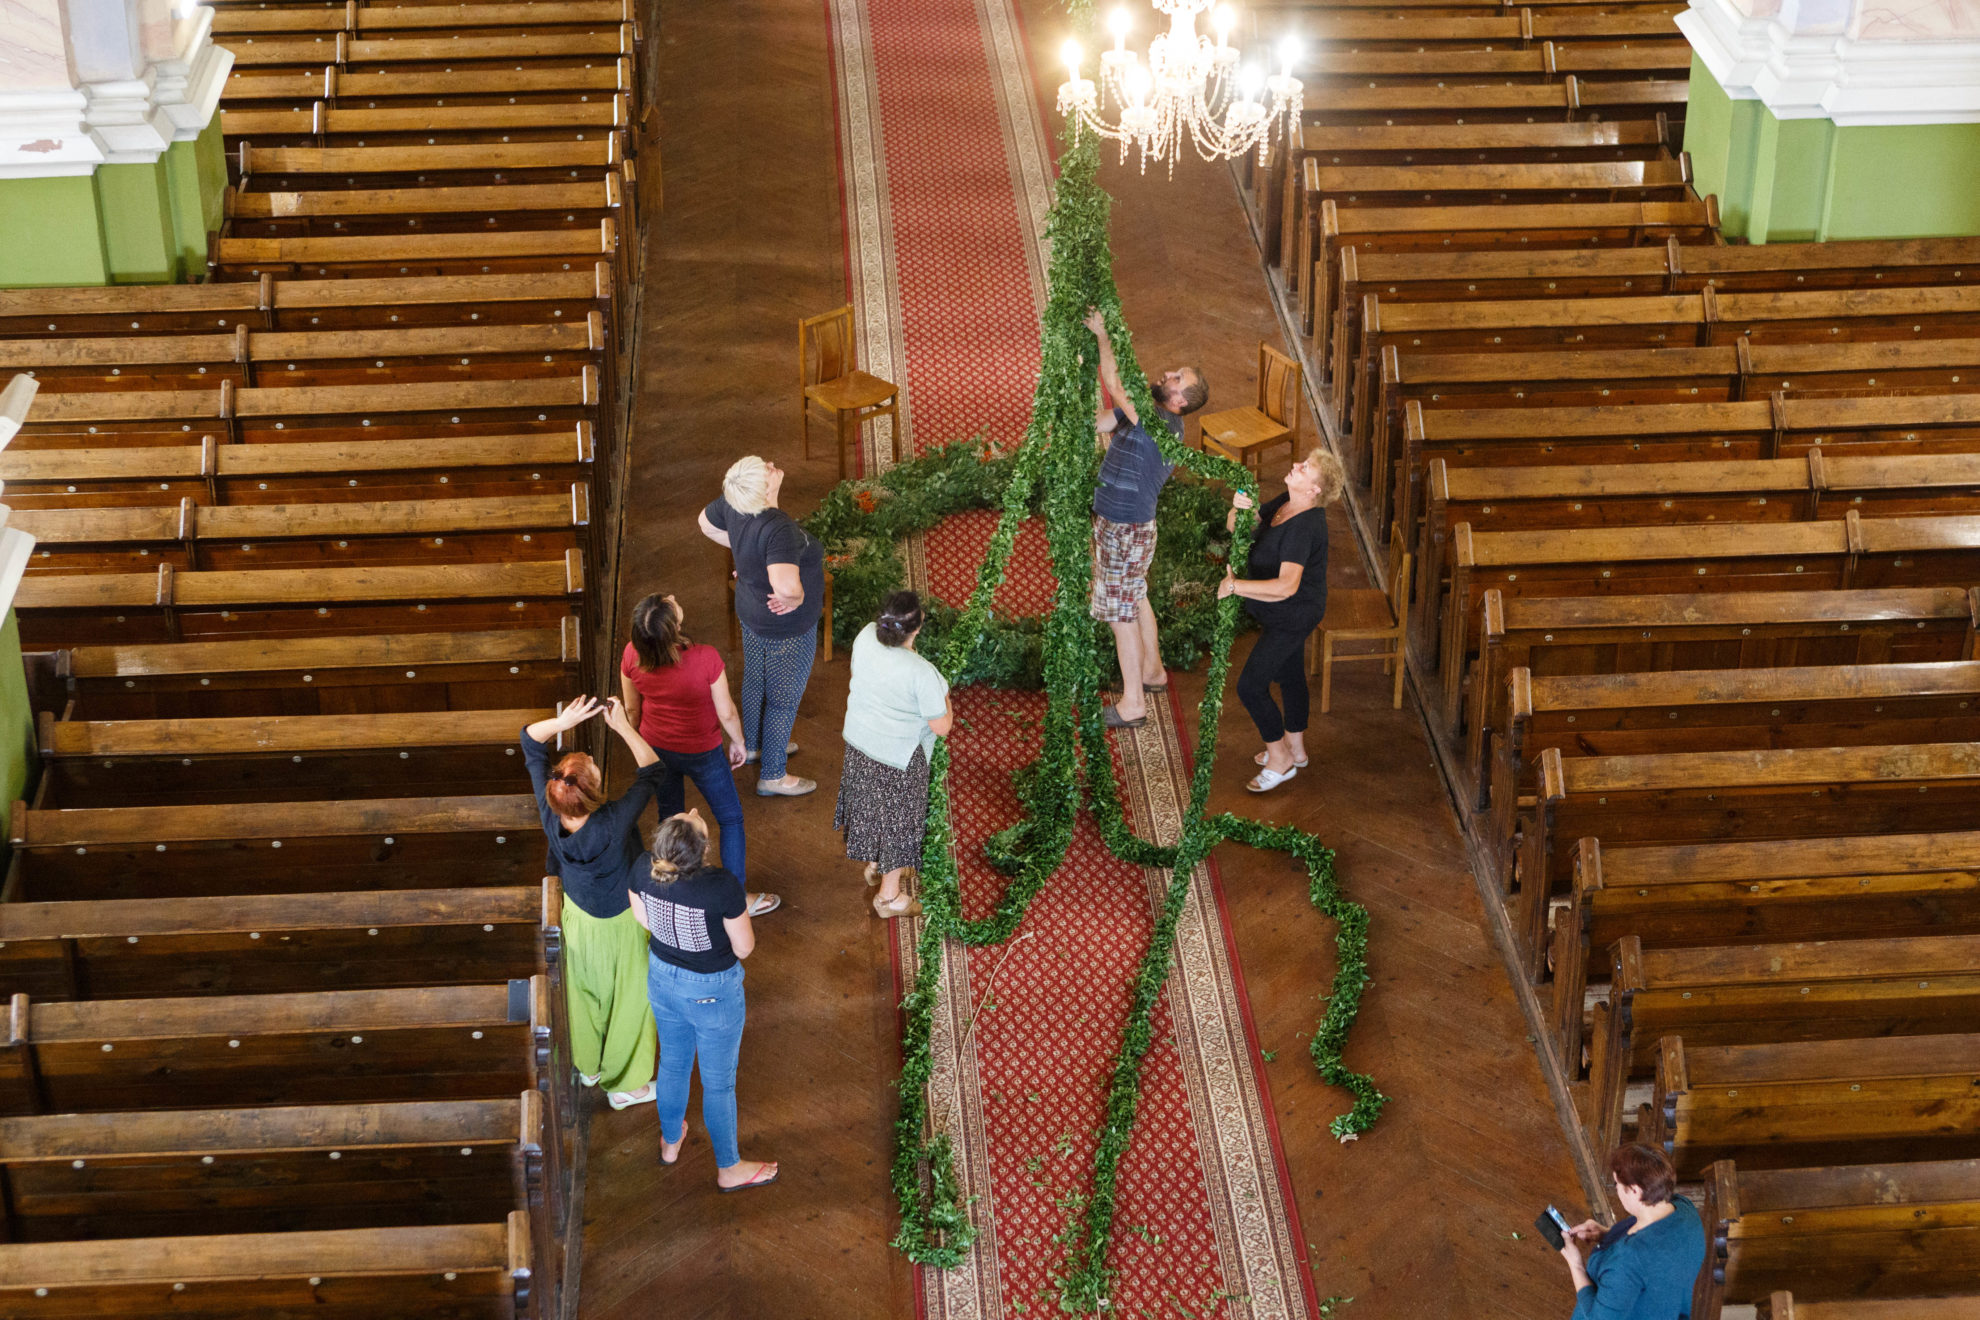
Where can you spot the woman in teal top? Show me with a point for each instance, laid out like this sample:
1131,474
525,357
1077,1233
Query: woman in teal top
1644,1267
896,707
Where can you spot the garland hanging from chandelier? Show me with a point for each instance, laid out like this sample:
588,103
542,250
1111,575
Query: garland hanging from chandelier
1055,468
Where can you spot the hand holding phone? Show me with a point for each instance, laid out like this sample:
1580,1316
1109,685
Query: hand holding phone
1552,1226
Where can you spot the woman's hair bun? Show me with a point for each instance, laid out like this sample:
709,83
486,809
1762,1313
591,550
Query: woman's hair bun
900,615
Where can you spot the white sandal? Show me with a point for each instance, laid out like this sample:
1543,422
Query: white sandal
1268,779
1260,760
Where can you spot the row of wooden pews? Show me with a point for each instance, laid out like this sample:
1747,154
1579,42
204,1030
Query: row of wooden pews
1696,535
315,539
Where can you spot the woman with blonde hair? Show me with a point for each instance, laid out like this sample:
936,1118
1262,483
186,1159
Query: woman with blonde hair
698,922
780,595
1285,589
592,841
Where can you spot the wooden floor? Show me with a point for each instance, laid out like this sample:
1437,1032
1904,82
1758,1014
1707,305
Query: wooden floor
1419,1217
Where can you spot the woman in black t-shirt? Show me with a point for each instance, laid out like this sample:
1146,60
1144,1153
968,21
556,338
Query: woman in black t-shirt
1285,589
697,921
780,594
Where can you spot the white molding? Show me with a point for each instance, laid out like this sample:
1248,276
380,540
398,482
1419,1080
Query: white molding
16,547
129,122
43,133
188,88
1822,73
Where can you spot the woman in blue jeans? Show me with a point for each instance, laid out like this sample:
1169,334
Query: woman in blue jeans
697,922
676,693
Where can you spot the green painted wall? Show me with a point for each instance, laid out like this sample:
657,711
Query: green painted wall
49,233
1793,180
17,754
126,224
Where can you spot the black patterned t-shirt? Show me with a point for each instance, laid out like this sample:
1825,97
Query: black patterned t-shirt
684,915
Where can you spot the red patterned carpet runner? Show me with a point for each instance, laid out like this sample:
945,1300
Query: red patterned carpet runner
945,182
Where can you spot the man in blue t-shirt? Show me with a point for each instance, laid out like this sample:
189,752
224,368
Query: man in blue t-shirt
1131,479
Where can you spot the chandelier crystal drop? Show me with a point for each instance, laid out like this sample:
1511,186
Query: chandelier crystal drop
1191,85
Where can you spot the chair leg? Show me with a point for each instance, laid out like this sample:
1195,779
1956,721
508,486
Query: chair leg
1326,674
804,424
841,418
1395,698
894,424
1313,653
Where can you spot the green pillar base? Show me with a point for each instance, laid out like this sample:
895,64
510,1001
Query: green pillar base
125,224
1796,180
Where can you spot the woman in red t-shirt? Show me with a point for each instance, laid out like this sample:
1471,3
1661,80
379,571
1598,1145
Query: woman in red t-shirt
677,693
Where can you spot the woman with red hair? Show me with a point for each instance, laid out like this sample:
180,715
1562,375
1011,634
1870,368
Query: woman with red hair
1643,1266
592,841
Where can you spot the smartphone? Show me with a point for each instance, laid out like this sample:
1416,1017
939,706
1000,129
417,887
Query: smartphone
1552,1227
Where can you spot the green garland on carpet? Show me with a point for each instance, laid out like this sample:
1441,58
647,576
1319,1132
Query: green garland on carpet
1054,471
862,522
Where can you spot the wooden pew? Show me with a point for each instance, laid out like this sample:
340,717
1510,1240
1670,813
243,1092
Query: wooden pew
398,1165
472,466
536,80
1276,194
208,850
268,414
326,125
1736,630
323,675
301,305
229,20
1816,1102
1482,228
373,210
249,758
468,1271
264,168
1549,274
1713,904
1717,373
1847,1233
420,253
1663,320
1843,989
1679,797
61,609
1646,494
1718,710
141,948
1700,558
194,536
446,1043
1777,426
1781,1305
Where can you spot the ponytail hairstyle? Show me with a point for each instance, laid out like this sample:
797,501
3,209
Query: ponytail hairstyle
678,848
574,787
900,615
656,633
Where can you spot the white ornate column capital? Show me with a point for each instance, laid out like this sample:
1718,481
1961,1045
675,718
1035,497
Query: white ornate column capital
1854,62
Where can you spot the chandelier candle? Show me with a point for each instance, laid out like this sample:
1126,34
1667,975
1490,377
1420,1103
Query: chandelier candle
1190,86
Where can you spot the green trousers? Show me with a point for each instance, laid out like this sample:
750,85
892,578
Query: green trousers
605,987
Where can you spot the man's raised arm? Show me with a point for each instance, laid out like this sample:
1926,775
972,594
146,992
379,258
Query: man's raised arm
1110,371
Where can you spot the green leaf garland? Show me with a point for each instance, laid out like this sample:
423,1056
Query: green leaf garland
1053,471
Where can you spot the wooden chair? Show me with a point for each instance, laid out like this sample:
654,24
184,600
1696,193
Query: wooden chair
828,376
1237,433
1365,615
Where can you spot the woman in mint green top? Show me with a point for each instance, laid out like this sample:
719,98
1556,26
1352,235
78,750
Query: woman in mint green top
897,706
1644,1266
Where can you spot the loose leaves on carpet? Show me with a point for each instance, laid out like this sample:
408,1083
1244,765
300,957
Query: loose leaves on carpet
1053,472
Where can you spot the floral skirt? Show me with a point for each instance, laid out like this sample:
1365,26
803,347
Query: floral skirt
882,811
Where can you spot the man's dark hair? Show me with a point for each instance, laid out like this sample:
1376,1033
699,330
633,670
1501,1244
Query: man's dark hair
1193,395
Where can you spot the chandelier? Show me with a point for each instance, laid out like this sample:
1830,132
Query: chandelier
1190,86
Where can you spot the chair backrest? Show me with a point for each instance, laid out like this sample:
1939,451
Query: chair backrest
825,347
1279,381
1399,564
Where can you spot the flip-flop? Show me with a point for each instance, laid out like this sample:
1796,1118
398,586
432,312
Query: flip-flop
1113,719
677,1153
1268,779
763,904
1260,760
758,1181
